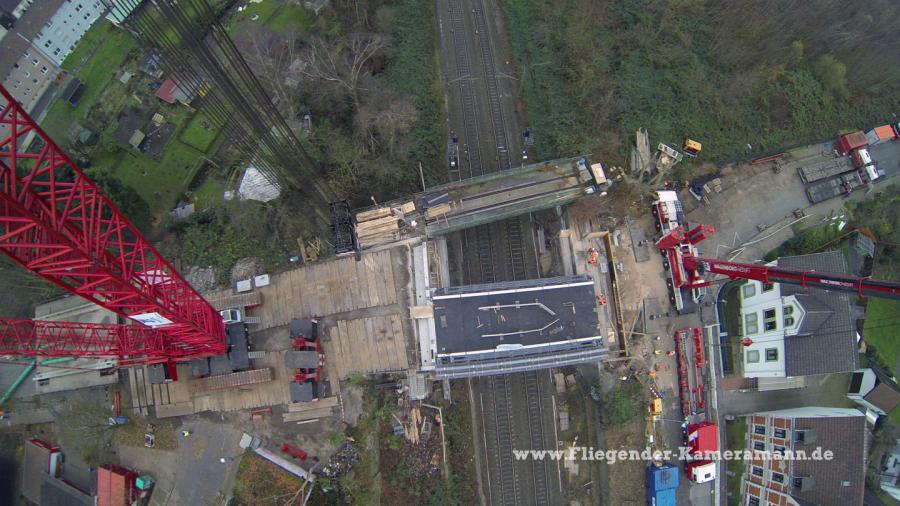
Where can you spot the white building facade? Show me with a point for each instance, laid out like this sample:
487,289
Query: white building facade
767,318
65,28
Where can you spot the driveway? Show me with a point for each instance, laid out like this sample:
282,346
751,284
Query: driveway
192,474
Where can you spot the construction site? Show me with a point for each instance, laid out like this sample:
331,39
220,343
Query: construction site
515,306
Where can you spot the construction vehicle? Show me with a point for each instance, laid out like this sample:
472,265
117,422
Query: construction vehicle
847,143
58,224
691,147
824,169
703,443
691,269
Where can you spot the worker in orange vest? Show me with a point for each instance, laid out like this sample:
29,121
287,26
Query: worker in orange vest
593,256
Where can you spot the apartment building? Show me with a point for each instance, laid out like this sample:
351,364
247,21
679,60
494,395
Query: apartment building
784,482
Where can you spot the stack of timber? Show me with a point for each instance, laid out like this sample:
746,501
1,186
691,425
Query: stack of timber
226,299
301,411
382,225
233,380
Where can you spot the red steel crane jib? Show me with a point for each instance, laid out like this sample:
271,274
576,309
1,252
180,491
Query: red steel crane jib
695,267
129,343
58,224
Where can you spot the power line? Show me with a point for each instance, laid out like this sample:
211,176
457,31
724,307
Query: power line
196,50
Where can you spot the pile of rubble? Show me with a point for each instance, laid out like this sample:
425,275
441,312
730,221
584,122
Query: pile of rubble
342,461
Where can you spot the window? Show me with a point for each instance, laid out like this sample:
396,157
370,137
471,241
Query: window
771,316
768,287
778,450
34,62
752,357
34,81
27,74
780,433
15,65
788,310
759,429
771,354
788,322
749,290
797,482
800,436
753,501
778,477
751,325
56,52
757,471
759,445
44,70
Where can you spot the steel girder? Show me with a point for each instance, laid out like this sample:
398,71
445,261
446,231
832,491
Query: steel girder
58,224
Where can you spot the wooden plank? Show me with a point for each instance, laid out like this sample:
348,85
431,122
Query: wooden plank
361,285
385,221
300,407
364,336
391,284
374,327
309,415
372,214
346,353
400,342
339,289
372,279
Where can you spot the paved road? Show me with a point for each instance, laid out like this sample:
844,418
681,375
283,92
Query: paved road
192,474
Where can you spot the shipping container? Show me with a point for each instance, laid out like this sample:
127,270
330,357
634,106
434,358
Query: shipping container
662,484
880,134
851,141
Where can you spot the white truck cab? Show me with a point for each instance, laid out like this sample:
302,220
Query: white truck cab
231,316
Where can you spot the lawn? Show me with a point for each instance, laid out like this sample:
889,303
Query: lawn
110,47
272,14
199,133
735,433
208,193
158,182
880,330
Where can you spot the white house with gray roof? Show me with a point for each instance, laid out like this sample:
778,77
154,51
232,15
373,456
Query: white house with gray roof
796,331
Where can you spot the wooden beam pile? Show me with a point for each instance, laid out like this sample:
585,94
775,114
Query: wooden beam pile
380,226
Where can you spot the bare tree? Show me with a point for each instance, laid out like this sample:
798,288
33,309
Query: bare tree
275,58
344,61
382,119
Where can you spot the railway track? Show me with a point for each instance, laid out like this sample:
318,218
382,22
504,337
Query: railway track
471,153
502,408
536,429
516,262
484,250
493,89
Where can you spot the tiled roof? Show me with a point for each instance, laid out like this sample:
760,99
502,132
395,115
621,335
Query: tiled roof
826,341
839,481
886,394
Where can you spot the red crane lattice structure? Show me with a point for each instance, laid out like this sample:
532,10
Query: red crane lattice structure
58,224
688,269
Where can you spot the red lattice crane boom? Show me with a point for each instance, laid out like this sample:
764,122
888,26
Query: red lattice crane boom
678,247
58,224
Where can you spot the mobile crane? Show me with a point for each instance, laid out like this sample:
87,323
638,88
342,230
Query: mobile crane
688,269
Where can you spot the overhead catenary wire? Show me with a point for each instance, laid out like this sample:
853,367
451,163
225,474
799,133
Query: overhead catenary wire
196,50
